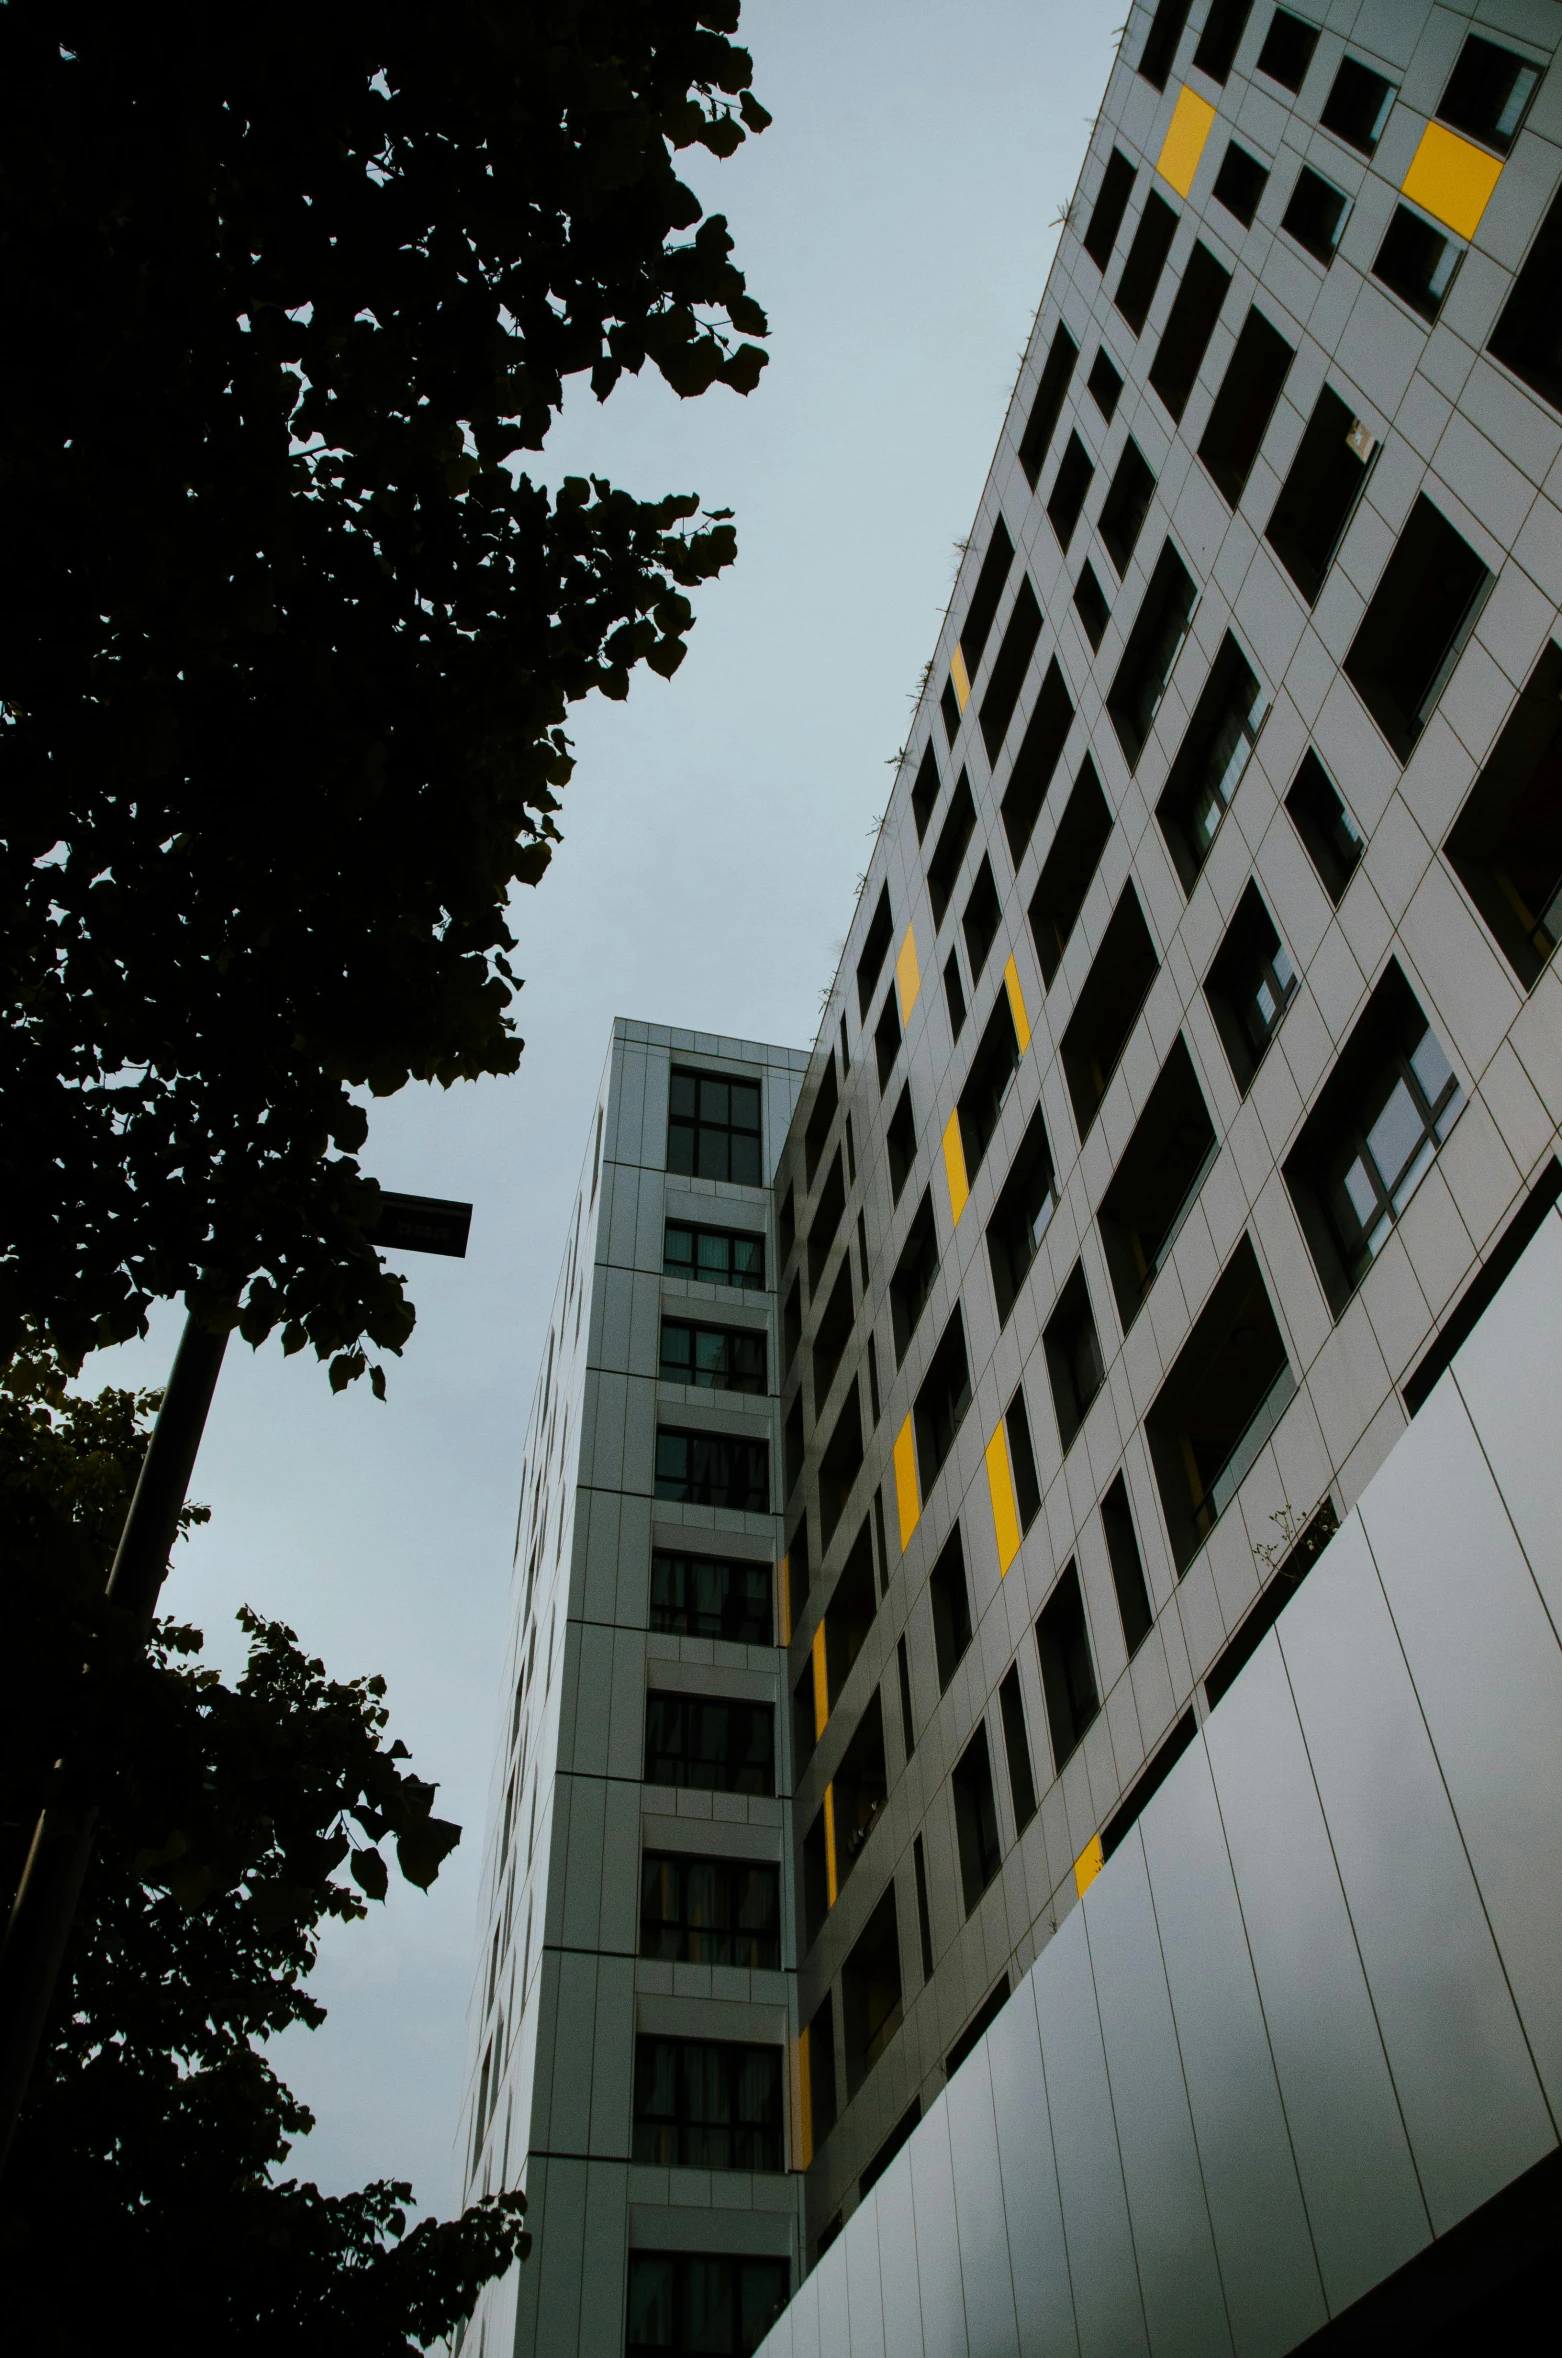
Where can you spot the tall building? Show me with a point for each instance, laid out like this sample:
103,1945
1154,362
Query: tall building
1042,1831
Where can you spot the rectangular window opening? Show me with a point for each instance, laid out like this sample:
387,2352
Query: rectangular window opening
714,1256
1067,870
1104,384
686,2301
1159,54
1047,406
1288,49
982,918
1021,1216
713,1127
1417,261
1091,606
1107,1009
1211,760
1319,494
1488,94
1316,215
1505,847
1157,1181
1041,748
943,868
1333,841
1189,326
708,2104
1068,1679
706,1911
713,1469
976,1820
900,1140
924,791
1016,1745
915,1271
1250,985
1153,646
1152,242
951,1602
924,1919
1240,183
887,1038
1422,613
1227,1391
712,1597
1027,1487
1070,484
1074,1362
954,995
875,950
907,1723
871,1992
840,1464
1218,43
1357,106
1010,665
1122,1547
1125,507
984,598
1244,405
941,1403
835,1329
710,1744
1106,218
825,1225
987,1087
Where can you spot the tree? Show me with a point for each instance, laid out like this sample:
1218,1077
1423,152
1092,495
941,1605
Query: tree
289,634
144,2179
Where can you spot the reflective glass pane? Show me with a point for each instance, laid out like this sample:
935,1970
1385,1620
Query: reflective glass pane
1396,1134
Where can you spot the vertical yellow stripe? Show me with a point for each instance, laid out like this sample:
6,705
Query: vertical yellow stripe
831,1881
907,1503
908,974
1006,1516
784,1599
1088,1865
805,2094
954,1168
1184,142
821,1685
961,677
1011,983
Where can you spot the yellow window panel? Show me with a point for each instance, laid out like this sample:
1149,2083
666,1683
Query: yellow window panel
805,2095
831,1884
1006,1515
1011,983
961,678
908,974
821,1685
954,1168
1184,141
1088,1865
784,1600
907,1503
1451,179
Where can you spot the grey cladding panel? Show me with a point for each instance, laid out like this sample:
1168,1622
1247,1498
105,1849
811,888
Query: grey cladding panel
1507,1373
1105,2280
1038,2258
990,2321
898,2260
938,2243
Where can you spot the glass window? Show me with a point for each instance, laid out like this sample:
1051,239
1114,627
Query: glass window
709,1744
713,1469
699,1911
716,1358
708,2104
714,1256
713,1127
1488,93
687,2303
712,1597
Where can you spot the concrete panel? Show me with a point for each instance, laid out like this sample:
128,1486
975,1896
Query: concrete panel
898,2261
938,2243
1038,2258
1506,1373
992,2329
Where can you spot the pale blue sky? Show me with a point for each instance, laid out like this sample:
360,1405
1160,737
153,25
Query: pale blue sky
897,223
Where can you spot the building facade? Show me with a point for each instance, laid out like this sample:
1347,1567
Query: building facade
1190,1082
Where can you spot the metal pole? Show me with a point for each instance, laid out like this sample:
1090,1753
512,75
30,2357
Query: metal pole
45,1903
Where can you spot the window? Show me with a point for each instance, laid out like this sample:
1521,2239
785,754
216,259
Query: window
1153,646
1122,1547
713,1469
849,1616
712,1597
870,1993
1091,606
1114,990
1506,844
701,1911
1027,1489
1125,507
1189,325
1040,750
1104,384
924,790
1413,633
1045,409
1357,106
1316,215
886,1038
683,2303
949,706
708,2104
875,950
825,1225
1385,1109
1240,183
1244,405
1156,1182
951,1604
797,1568
914,1274
900,1141
1488,94
1068,1679
1223,30
1068,868
1333,841
986,1091
941,1403
792,1322
840,1464
1021,1216
1211,760
976,1820
1073,1356
859,1787
944,867
820,2091
793,1438
1250,986
786,1222
1319,495
985,596
1255,1627
1110,206
1160,42
1009,668
710,1744
907,1726
1146,260
1288,49
981,919
1417,262
1147,1784
924,1920
713,1128
1016,1745
954,995
1227,1390
817,1135
1070,485
873,1377
714,1256
834,1334
1528,336
716,1358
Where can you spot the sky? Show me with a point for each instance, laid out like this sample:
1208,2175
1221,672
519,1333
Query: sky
897,222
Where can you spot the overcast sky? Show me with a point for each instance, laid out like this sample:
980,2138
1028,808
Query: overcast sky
897,223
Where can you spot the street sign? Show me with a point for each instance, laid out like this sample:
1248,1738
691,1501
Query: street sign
422,1224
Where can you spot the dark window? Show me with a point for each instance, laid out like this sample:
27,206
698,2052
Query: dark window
1068,1680
1104,384
1146,260
1073,1356
834,1333
1016,1744
941,1403
825,1225
1417,261
1528,336
949,705
1147,1784
1110,206
1223,30
1153,646
1155,1184
1050,391
1068,868
1413,633
859,1787
977,2028
817,1135
1251,984
710,1744
986,1091
1316,215
914,1274
1021,1216
821,2097
1288,1577
1040,749
1122,1547
849,1614
1069,487
907,1726
793,1439
797,1569
944,867
1010,665
870,1992
875,950
1160,42
708,2104
951,1604
806,1731
840,1464
1244,405
1506,845
1226,1392
716,1358
924,791
1211,760
873,1376
981,919
1125,507
1114,990
1357,107
1189,325
1240,183
1288,49
687,2303
985,596
701,1911
1027,1489
954,995
1091,606
786,1222
1382,1114
886,1038
713,1128
712,1597
1319,495
976,1820
714,1256
1333,841
924,1920
792,1321
1488,94
899,2135
713,1469
900,1140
